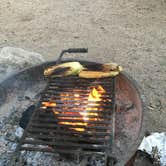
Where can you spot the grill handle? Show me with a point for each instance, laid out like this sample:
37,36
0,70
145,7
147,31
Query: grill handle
71,50
77,50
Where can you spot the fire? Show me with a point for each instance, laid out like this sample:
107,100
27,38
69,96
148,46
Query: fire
93,104
96,93
94,96
48,104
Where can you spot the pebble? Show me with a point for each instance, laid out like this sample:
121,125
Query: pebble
19,131
10,136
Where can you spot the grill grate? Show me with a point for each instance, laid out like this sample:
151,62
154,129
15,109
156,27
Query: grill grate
66,127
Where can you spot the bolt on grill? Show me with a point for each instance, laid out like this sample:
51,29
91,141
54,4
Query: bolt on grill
74,116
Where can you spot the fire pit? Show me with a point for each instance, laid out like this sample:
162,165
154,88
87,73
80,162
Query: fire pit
106,118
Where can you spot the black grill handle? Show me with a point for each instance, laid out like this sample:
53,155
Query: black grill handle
71,50
77,50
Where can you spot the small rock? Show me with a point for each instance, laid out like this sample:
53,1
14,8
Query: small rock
10,137
19,132
27,98
13,146
20,98
150,108
76,37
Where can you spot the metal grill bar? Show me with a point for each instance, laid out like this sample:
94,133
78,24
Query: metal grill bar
51,125
81,121
51,150
58,109
82,106
65,144
58,132
78,102
69,138
76,116
47,126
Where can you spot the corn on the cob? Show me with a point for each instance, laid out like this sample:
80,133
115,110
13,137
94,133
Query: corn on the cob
112,67
106,70
75,68
69,68
97,74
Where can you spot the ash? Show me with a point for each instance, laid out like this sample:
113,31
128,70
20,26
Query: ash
41,158
11,132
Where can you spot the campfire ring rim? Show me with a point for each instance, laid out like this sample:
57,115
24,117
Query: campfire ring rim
138,88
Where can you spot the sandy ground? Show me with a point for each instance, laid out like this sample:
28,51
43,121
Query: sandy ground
132,33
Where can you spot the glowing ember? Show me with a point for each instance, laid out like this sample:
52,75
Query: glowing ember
94,96
93,104
48,104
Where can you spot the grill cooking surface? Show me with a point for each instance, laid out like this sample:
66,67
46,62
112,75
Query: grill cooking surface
74,115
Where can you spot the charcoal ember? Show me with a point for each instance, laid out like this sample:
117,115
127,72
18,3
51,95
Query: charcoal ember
26,115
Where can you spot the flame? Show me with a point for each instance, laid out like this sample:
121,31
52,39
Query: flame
48,104
96,93
94,98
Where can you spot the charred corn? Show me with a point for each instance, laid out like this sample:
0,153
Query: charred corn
69,68
111,67
97,74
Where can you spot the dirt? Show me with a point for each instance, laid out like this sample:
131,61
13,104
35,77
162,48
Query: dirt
132,33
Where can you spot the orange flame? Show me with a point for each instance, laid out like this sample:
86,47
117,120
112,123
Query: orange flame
48,104
94,98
